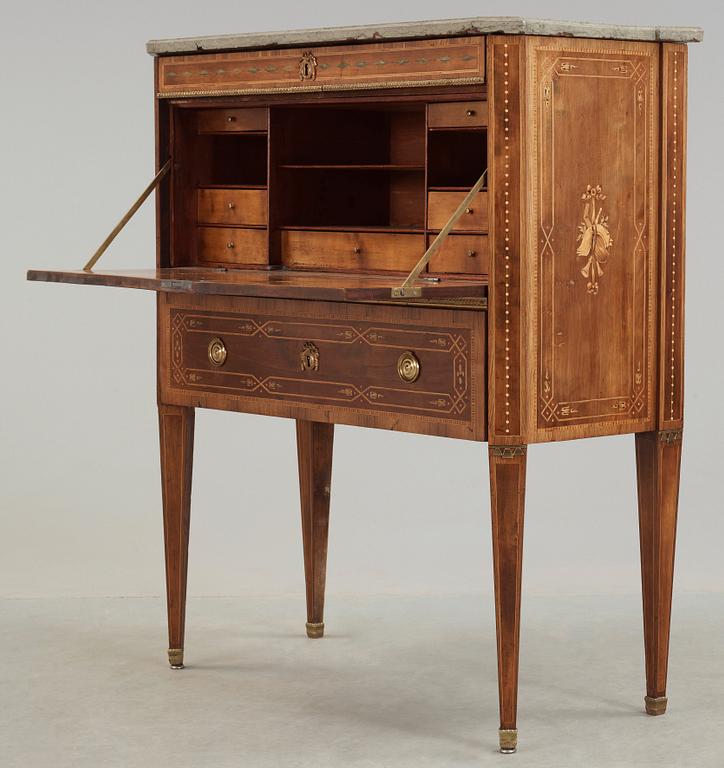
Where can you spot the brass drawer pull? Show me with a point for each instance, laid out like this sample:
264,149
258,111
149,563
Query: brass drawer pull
231,119
217,352
230,206
230,244
309,357
357,250
469,211
472,254
470,113
408,367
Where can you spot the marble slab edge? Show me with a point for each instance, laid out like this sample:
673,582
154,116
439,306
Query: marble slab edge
420,30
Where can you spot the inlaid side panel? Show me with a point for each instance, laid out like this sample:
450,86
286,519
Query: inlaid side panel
506,407
673,191
594,115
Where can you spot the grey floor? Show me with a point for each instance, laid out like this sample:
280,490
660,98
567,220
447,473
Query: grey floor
398,681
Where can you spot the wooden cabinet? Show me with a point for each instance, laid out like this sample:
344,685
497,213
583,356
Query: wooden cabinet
454,229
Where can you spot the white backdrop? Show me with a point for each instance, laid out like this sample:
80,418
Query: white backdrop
80,507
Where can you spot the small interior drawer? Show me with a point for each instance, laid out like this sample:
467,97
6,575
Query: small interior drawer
354,251
232,206
442,205
231,120
462,254
233,245
458,114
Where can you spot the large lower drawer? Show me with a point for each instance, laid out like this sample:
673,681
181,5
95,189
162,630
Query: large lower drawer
396,367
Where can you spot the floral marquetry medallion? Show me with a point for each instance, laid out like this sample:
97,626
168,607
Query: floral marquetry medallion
593,235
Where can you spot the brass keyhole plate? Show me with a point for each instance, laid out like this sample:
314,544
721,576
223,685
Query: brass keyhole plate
217,352
408,367
309,357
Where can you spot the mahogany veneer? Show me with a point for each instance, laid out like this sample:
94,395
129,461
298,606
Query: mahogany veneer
305,182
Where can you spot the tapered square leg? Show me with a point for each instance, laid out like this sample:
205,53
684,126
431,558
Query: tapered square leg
507,502
658,461
314,451
176,431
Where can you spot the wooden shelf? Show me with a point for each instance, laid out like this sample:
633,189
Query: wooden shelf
351,167
454,189
354,228
232,186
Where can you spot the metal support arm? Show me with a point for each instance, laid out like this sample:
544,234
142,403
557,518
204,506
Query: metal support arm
407,289
122,223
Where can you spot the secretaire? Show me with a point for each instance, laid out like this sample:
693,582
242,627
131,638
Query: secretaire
469,228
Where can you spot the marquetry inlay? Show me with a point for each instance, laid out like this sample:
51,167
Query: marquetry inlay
506,229
674,202
506,270
594,237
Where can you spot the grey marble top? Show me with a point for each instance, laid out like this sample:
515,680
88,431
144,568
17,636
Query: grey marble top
506,25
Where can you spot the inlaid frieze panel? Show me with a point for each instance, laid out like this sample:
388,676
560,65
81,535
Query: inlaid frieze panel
446,61
594,186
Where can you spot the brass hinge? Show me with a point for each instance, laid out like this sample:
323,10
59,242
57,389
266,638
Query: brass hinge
122,223
407,289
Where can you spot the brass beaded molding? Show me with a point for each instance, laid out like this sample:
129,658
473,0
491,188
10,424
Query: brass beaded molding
319,88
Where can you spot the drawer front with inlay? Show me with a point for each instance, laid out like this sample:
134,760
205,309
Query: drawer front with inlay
232,206
442,205
355,251
446,61
233,245
462,254
394,367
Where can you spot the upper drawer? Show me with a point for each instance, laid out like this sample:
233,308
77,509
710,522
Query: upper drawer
449,61
231,120
442,205
232,206
458,114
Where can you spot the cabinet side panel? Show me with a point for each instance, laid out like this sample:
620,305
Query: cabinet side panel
594,159
673,192
506,309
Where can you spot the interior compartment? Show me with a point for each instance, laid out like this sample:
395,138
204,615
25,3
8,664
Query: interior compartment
353,167
456,158
233,159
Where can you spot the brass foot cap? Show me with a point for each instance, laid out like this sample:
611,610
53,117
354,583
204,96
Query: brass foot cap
315,629
508,740
176,658
655,705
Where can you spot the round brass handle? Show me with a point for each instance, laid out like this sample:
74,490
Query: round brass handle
408,367
217,352
469,211
231,119
230,244
472,253
357,250
470,112
230,206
